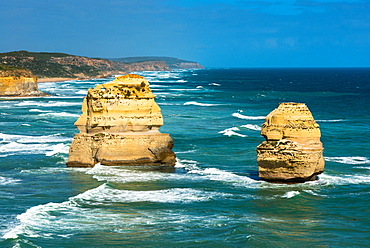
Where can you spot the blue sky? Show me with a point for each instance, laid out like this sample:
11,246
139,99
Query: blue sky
216,33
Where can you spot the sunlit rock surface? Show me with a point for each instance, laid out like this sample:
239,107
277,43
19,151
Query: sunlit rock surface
292,151
120,126
18,82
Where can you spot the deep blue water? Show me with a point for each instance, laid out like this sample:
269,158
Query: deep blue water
213,197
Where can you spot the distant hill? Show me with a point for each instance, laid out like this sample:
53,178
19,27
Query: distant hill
173,63
45,65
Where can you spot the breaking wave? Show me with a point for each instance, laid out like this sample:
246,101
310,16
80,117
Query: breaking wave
231,132
238,115
201,104
349,160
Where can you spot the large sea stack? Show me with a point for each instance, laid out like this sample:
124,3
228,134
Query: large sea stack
292,151
120,126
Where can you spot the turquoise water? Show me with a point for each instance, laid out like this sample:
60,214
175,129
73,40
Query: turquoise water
213,197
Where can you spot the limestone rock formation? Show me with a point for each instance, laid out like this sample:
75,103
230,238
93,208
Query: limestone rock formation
18,82
120,126
292,151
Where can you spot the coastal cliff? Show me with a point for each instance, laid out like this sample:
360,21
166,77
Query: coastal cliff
292,151
18,82
119,125
61,65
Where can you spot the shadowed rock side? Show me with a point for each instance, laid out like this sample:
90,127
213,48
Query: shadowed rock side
119,125
292,151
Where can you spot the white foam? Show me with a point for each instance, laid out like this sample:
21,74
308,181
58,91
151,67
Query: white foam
290,194
201,104
248,117
60,114
252,127
58,148
105,194
8,180
38,110
61,219
81,92
123,175
231,132
215,174
330,120
33,139
349,160
48,104
326,179
215,84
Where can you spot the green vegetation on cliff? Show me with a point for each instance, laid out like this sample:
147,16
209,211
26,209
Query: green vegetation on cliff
43,64
14,71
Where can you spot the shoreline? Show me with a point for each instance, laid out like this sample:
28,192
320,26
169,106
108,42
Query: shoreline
56,79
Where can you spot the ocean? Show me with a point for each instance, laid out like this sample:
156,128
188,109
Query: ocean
213,197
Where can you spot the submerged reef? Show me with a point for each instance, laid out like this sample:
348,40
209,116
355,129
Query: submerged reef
292,151
119,125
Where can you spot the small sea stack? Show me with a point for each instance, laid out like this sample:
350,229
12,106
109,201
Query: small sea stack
18,82
292,151
119,125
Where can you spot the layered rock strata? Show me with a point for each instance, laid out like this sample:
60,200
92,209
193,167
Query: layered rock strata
18,83
119,125
292,151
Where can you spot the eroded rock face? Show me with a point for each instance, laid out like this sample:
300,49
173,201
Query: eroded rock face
18,83
120,126
292,151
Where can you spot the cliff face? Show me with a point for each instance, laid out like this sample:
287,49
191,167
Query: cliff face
292,151
18,82
120,126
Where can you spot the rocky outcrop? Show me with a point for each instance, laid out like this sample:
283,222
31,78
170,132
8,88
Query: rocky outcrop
292,151
18,82
119,125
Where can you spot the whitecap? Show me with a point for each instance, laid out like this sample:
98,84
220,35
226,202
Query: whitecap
290,194
38,110
215,174
231,132
60,114
215,84
201,104
349,160
343,179
58,148
252,127
330,120
8,180
238,115
82,92
104,194
123,175
33,139
48,104
61,219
